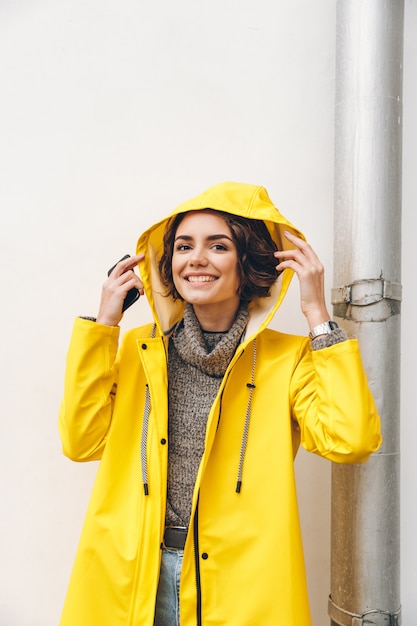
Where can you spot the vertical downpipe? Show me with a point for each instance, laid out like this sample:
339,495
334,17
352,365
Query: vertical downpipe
365,553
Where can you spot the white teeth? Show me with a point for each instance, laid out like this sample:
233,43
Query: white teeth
200,279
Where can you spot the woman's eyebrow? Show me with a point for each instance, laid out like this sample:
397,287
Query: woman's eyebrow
220,236
209,237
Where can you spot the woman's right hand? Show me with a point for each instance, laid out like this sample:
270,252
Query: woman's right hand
115,288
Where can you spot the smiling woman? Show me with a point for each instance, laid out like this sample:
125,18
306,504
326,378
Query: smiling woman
208,406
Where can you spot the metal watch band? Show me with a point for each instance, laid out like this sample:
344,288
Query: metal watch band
323,329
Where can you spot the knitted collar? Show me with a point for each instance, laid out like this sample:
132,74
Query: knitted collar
189,342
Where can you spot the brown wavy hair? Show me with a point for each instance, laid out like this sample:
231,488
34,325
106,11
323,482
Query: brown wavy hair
255,252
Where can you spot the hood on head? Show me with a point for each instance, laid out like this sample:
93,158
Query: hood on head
242,199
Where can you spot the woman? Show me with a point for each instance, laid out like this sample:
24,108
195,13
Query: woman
196,420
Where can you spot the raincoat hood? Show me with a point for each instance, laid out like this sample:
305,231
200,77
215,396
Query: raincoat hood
244,200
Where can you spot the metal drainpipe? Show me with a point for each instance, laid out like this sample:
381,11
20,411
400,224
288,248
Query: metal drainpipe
365,579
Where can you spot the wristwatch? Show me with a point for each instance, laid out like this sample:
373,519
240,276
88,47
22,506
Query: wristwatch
322,329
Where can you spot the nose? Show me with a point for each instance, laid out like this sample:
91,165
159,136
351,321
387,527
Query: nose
198,257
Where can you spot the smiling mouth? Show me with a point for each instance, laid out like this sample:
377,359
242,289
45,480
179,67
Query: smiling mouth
200,279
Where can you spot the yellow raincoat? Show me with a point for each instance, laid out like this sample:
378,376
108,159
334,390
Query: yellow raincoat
243,560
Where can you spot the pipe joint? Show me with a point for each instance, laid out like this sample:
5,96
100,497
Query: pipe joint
374,617
366,292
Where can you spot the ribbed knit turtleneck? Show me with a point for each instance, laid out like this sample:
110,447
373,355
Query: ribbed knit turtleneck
197,361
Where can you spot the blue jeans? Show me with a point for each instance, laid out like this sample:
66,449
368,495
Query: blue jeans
167,610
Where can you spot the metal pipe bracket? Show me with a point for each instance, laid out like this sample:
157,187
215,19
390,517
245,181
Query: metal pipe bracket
372,617
366,292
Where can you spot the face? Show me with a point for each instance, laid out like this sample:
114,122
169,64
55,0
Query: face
205,263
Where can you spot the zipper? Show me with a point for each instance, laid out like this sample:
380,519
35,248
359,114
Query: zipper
197,566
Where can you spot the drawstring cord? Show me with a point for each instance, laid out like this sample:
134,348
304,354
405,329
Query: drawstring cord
144,440
251,386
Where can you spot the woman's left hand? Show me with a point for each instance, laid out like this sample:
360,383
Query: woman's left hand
310,271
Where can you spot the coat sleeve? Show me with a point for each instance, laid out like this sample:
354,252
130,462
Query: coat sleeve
333,405
89,387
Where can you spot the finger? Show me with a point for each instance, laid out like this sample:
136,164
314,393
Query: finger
136,258
301,244
294,256
286,254
303,255
129,279
127,264
298,241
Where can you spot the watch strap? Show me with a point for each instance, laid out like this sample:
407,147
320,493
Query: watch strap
323,329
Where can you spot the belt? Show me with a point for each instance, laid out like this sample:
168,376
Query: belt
174,537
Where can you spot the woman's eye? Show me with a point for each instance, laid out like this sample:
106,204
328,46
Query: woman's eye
182,246
219,246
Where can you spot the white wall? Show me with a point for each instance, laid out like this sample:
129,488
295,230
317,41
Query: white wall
110,115
408,323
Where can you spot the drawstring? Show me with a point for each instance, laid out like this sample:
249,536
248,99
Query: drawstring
143,456
145,425
251,387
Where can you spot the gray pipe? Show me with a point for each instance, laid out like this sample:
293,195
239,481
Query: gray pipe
365,553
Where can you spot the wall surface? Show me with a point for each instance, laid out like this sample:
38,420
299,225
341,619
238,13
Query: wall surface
110,115
408,325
